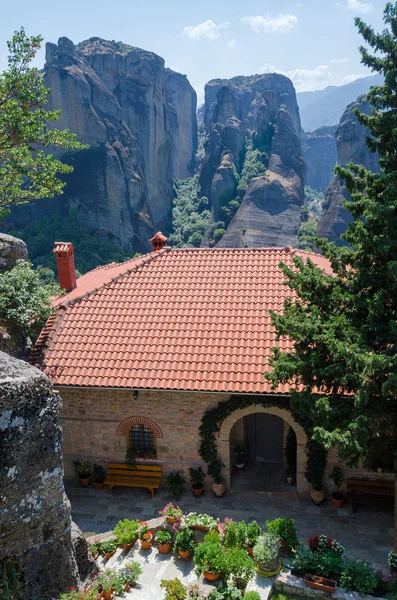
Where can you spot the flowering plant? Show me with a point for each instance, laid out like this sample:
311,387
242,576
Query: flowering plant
285,529
74,594
223,526
200,520
94,547
169,510
144,531
109,546
184,540
392,561
130,573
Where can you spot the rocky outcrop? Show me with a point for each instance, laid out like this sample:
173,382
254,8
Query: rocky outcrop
35,523
350,140
139,119
262,111
320,154
11,250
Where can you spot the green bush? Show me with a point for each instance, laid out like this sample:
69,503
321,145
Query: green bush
266,551
109,546
163,537
190,214
126,531
99,473
130,573
285,530
238,568
252,596
228,593
358,576
184,540
315,466
326,564
253,532
209,556
174,589
236,535
174,481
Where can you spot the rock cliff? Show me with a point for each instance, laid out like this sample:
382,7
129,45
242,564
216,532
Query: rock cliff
351,146
253,168
320,154
140,121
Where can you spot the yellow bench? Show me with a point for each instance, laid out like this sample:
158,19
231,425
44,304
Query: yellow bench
141,476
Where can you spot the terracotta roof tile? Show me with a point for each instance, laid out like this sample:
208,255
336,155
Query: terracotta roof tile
185,319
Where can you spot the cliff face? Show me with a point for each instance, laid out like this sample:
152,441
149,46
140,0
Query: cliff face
320,154
351,146
140,121
253,129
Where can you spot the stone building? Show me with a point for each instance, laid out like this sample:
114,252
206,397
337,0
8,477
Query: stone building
140,351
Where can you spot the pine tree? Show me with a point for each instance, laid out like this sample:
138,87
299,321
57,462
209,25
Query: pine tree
343,325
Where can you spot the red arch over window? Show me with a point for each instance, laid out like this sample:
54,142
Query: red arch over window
126,425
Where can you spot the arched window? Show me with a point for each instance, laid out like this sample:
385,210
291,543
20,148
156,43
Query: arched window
141,439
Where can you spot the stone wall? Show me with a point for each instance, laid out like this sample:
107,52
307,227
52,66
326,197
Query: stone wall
35,523
96,422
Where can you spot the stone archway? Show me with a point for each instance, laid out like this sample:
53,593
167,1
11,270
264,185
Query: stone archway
302,487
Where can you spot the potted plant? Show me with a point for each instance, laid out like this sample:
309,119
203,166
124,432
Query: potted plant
338,478
94,548
253,533
174,481
235,535
200,521
99,476
241,455
197,477
174,589
285,530
145,536
320,583
130,458
83,470
316,463
238,569
266,554
108,547
209,559
105,582
164,541
129,575
392,562
184,543
126,532
173,513
215,471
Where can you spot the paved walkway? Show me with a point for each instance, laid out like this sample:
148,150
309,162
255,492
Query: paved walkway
368,534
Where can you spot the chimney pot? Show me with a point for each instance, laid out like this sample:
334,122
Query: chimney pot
64,254
158,241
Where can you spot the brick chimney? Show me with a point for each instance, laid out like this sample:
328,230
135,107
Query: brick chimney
64,254
158,241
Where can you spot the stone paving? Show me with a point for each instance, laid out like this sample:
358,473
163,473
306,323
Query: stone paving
368,534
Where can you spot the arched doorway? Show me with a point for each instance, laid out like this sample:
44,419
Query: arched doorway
265,429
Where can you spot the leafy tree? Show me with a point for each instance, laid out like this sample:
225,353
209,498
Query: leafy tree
343,326
27,171
24,299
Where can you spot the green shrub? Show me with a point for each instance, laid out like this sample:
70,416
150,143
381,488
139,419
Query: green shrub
209,556
174,481
358,576
109,546
228,593
197,477
184,540
130,573
253,533
174,589
252,596
99,473
163,536
236,535
126,531
218,234
266,551
316,463
238,568
326,564
284,529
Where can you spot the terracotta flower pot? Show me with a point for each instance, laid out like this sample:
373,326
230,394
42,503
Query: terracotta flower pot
96,555
165,548
218,489
337,500
98,486
127,586
107,594
108,555
320,583
317,496
250,550
171,520
85,482
211,576
146,544
184,554
127,547
197,492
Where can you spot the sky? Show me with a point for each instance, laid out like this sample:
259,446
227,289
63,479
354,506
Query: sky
314,42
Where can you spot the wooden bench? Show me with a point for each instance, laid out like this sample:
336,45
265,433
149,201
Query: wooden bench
140,476
364,491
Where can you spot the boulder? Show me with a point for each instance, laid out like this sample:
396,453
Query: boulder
11,250
86,564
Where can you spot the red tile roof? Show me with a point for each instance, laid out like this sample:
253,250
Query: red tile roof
194,319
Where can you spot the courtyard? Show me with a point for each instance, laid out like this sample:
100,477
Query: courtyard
367,534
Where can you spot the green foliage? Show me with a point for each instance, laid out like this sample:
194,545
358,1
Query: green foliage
197,477
130,573
290,453
228,593
238,568
253,532
310,212
236,535
285,530
253,596
184,540
130,458
326,564
24,299
174,589
209,556
90,250
126,531
241,454
343,326
163,536
337,476
82,469
174,481
358,576
315,466
255,164
27,172
266,550
109,546
218,234
11,585
190,214
99,473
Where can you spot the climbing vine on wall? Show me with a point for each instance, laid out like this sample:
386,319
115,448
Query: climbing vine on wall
213,418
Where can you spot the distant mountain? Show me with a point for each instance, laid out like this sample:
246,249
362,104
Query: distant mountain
325,107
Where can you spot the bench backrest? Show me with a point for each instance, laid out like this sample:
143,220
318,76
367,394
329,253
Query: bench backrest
365,486
140,470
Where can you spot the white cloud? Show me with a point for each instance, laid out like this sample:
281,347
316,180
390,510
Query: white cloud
360,7
338,61
352,77
304,80
231,44
207,30
269,24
